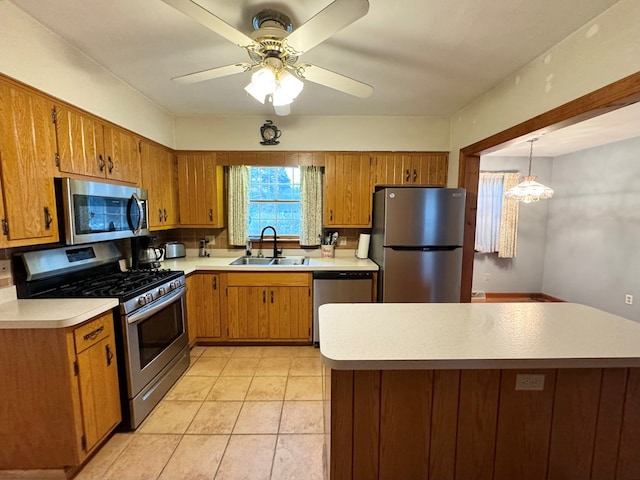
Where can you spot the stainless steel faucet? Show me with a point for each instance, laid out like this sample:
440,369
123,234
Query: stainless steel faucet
275,240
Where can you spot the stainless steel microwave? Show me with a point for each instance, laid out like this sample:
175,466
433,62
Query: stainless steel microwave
95,211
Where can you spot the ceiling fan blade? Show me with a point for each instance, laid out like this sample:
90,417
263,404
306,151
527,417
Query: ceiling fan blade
211,21
333,18
213,73
334,80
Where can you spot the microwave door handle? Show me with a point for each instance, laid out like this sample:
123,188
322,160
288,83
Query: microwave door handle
136,231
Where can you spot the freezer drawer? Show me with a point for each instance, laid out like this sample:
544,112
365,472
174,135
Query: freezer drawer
421,276
339,287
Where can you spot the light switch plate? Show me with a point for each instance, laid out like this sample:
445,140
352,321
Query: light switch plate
5,268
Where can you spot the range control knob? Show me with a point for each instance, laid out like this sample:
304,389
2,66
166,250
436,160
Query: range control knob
162,291
172,286
149,297
142,301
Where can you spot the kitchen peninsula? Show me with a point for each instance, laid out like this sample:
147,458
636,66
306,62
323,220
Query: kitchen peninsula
480,391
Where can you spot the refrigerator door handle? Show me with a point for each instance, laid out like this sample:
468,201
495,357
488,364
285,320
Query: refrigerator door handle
437,248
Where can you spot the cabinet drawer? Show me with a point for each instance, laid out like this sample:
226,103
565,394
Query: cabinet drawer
92,332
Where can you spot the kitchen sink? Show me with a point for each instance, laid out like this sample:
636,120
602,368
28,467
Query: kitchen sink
290,261
283,261
251,261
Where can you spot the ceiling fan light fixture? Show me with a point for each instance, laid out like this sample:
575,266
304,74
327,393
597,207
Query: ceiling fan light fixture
263,83
289,84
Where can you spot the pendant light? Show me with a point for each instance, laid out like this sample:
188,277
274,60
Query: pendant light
529,190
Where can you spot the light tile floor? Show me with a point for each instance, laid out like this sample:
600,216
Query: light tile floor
238,413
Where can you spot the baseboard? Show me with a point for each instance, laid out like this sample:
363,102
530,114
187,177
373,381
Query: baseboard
524,296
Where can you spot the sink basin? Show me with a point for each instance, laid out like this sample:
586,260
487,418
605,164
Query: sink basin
284,261
251,261
290,261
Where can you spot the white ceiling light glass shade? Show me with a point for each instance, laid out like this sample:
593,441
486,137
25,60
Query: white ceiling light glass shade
263,83
529,191
282,110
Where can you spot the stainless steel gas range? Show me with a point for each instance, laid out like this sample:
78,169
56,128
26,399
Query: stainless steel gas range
152,339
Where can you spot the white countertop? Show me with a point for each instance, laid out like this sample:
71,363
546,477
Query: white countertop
52,313
60,313
339,263
475,336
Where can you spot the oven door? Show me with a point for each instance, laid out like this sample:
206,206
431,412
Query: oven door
154,336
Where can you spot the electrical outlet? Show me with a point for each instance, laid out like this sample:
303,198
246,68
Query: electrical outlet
5,268
211,239
487,277
342,241
527,381
628,299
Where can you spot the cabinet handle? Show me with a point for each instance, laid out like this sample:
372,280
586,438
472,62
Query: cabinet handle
415,175
159,214
109,354
94,334
101,162
264,296
165,214
215,283
331,215
408,175
211,214
48,219
271,296
110,164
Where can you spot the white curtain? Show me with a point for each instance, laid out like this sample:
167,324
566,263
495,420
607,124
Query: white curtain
489,212
310,205
238,203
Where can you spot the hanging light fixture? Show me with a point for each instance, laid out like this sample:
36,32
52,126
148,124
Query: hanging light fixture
274,82
529,190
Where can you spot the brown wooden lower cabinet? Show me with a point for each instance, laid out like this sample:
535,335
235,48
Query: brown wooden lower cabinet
474,425
59,396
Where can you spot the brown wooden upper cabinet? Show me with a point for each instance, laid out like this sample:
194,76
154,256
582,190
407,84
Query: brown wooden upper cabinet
159,176
88,146
414,168
347,199
200,190
27,153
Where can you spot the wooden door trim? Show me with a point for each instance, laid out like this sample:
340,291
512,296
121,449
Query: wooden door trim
616,95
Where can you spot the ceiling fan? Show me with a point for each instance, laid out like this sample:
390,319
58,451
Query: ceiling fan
274,48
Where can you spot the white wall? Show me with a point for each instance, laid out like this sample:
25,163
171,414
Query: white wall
315,133
34,55
593,234
524,273
599,53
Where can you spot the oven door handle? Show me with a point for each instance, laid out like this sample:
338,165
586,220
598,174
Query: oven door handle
145,313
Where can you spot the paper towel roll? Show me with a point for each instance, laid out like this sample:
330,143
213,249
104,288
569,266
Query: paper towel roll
363,245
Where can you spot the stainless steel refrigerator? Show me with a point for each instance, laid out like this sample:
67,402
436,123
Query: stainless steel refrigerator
416,240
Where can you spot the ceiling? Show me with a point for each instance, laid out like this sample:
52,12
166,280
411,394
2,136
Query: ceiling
427,58
614,126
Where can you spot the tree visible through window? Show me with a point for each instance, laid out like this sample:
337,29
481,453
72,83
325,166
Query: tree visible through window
274,199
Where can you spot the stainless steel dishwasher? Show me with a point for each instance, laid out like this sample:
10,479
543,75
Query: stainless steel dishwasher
339,287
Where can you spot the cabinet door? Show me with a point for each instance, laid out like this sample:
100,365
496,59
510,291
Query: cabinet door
151,166
200,190
122,154
208,317
192,306
99,392
247,312
27,156
289,313
80,143
432,168
168,182
347,190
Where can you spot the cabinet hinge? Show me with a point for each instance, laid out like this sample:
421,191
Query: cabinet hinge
140,147
83,442
57,159
54,116
76,368
309,292
5,227
226,292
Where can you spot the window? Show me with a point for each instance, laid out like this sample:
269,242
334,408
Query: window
274,199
